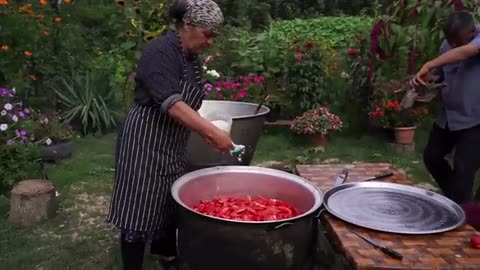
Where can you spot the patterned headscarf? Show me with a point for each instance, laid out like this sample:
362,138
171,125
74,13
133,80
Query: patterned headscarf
204,13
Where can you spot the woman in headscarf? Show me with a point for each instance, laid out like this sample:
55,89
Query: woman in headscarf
151,149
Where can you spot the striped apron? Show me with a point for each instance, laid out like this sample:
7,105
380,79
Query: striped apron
151,155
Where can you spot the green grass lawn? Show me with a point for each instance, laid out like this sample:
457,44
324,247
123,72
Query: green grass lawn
78,238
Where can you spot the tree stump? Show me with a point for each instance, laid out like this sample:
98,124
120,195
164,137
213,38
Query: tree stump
32,202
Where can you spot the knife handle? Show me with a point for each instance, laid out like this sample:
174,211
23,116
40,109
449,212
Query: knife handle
378,176
392,253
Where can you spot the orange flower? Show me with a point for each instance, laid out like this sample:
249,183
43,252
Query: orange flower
5,48
3,2
45,33
67,1
58,19
27,54
43,2
33,77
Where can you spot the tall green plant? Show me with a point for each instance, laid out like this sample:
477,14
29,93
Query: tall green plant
88,101
409,34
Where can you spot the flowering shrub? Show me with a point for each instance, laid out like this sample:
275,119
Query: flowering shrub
31,43
305,77
17,150
50,130
14,118
316,121
389,115
245,88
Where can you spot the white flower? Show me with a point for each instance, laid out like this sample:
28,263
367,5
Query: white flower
345,75
3,127
14,91
3,113
8,107
15,118
48,141
213,73
44,121
204,67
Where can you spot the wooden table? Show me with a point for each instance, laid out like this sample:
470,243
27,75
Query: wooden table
449,250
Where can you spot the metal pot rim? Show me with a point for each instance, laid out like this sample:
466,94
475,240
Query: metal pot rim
246,116
318,195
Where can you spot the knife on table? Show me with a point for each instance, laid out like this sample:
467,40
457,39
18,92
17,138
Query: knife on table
378,176
341,177
386,250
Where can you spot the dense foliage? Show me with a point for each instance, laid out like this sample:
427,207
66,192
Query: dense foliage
340,31
73,61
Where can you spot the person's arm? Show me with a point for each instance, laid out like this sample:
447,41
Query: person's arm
162,77
452,56
192,119
455,55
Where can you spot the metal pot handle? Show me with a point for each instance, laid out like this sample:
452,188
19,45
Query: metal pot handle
276,227
320,212
341,178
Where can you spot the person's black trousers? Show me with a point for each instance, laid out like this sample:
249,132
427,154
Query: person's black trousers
133,249
456,182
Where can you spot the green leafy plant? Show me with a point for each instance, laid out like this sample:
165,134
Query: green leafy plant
88,101
340,31
305,77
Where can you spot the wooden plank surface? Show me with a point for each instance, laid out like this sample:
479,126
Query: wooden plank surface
449,250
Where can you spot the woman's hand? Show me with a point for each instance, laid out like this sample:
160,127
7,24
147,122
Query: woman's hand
221,140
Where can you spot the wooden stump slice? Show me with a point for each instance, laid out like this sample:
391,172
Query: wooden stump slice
32,202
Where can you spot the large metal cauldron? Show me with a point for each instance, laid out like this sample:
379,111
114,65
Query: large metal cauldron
246,129
218,244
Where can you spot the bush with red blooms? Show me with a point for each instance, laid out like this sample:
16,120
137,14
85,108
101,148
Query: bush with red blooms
390,115
306,73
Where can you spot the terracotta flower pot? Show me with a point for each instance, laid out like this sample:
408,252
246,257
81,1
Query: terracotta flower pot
318,139
404,135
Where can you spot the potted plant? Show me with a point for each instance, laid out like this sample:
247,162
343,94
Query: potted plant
53,135
317,124
403,122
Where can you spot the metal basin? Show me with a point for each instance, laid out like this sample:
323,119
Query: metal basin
246,130
216,244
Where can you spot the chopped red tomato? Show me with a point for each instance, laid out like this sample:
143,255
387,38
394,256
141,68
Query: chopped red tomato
247,208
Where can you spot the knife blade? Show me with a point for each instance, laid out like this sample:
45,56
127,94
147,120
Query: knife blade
386,250
378,176
341,177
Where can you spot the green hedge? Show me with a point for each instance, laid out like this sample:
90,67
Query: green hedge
339,30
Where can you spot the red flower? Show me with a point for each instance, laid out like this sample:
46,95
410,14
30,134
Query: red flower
309,44
353,52
298,57
393,105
